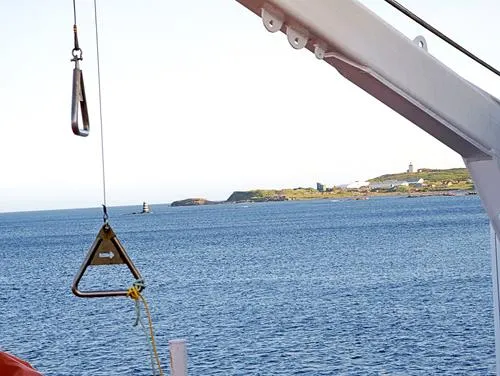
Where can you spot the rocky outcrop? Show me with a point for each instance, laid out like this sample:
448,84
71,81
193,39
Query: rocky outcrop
194,202
256,196
241,196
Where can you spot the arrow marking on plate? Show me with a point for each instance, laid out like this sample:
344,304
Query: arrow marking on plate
109,255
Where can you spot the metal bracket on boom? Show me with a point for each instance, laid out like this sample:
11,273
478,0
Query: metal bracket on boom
297,37
272,19
420,41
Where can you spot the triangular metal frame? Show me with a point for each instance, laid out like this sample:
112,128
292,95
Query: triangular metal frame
100,254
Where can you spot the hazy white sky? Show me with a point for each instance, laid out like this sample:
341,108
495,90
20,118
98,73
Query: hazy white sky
200,100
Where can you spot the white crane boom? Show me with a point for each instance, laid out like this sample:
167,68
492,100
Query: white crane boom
402,74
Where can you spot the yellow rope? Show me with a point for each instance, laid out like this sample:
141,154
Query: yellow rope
135,294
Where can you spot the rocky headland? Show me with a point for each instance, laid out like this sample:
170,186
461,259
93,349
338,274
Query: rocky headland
449,182
195,202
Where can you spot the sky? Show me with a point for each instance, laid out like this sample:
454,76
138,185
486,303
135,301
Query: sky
199,100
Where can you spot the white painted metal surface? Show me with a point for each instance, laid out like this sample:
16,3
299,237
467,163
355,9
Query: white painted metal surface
495,263
178,357
402,74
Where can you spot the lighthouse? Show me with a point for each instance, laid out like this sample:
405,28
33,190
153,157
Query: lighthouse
145,208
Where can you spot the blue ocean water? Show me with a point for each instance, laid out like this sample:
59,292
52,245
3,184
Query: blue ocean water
386,286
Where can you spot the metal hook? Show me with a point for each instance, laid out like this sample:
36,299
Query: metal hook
79,99
77,54
105,215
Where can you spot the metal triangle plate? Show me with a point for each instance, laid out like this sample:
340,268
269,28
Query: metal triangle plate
106,250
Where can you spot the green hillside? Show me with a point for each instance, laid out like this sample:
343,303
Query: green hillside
263,195
430,176
434,181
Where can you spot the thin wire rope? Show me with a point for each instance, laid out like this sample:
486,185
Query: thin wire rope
439,34
100,105
74,12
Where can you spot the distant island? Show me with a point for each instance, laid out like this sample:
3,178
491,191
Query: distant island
424,182
194,202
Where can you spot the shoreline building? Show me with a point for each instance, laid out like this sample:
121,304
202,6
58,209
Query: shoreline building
320,187
358,184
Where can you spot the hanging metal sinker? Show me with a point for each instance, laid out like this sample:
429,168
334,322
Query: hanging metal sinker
78,98
106,250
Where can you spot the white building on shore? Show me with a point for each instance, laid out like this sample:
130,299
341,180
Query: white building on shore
388,184
358,184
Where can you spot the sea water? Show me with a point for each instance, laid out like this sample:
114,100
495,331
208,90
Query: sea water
385,286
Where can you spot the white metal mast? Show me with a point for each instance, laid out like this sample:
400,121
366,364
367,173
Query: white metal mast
402,74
